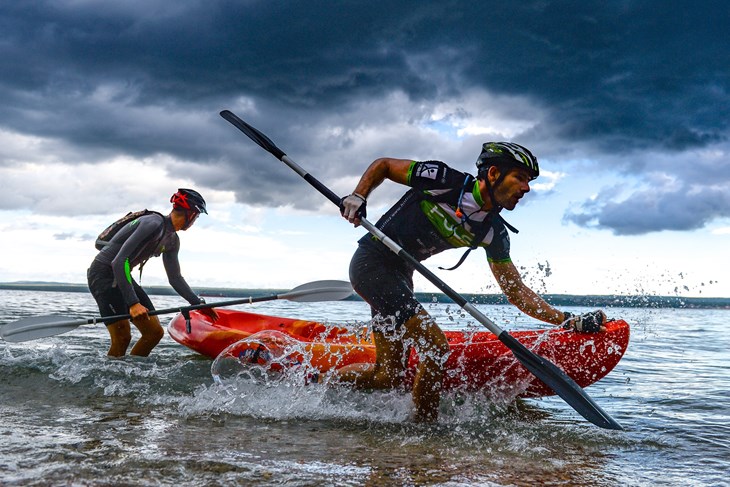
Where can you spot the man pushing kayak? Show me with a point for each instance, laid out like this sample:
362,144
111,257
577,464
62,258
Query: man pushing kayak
110,274
444,209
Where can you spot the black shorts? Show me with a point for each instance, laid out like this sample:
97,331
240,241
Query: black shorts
385,282
107,295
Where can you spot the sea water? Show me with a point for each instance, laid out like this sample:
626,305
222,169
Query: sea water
69,415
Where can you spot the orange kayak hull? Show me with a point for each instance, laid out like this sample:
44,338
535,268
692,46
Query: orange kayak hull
477,359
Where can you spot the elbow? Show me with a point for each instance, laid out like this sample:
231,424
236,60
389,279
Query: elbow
386,168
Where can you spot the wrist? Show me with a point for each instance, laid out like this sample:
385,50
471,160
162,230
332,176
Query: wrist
358,195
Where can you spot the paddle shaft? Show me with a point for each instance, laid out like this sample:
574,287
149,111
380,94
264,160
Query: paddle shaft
44,326
542,368
182,309
97,319
393,246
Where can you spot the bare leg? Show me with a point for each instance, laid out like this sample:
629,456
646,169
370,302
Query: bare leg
432,348
121,336
387,371
152,333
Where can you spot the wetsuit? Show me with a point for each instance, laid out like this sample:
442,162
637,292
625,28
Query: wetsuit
424,222
110,274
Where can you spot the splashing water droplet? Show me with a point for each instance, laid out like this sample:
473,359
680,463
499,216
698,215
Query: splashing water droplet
260,357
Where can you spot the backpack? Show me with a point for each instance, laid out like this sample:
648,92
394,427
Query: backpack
105,236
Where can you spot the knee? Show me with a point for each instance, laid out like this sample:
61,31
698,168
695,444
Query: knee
436,340
120,339
120,342
430,340
388,379
154,333
120,334
441,345
150,329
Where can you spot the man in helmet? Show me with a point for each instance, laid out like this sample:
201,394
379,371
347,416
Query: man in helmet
444,208
110,274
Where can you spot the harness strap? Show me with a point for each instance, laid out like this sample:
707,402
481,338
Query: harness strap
480,229
157,243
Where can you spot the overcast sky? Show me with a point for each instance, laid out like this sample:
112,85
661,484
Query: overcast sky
107,107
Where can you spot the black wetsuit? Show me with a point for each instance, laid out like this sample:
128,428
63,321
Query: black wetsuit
424,222
110,274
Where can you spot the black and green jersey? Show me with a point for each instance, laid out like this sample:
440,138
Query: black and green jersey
424,221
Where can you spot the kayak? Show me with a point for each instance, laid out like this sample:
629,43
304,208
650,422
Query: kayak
477,359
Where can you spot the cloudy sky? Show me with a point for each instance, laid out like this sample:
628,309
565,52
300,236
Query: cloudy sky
107,107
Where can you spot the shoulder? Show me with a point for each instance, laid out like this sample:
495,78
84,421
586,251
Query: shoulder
152,224
148,223
170,241
434,174
153,217
498,246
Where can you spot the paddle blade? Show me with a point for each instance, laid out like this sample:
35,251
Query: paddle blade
561,383
253,134
319,291
36,327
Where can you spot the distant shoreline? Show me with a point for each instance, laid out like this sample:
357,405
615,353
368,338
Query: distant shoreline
618,301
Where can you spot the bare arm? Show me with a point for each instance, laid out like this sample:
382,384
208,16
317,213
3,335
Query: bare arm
352,207
524,298
380,170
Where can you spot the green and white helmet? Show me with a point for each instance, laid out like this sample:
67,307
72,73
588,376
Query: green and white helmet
507,154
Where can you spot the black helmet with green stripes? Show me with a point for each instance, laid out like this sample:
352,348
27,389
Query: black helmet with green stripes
507,154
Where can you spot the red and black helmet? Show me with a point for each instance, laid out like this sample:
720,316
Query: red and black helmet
188,199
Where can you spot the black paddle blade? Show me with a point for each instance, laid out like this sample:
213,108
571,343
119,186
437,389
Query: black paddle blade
561,383
253,134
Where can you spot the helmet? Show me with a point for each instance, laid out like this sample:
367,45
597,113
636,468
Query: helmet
188,199
507,153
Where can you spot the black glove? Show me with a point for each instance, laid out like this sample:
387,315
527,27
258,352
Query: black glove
590,322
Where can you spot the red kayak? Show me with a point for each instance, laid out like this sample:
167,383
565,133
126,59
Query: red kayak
478,360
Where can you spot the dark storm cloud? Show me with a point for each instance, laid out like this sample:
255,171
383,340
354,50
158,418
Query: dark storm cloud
615,81
681,208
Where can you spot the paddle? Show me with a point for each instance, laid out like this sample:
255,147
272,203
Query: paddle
542,368
50,325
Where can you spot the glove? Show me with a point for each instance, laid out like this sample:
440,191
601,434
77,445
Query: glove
590,322
209,312
353,207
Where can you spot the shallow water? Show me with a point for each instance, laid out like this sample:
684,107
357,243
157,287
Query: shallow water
71,416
